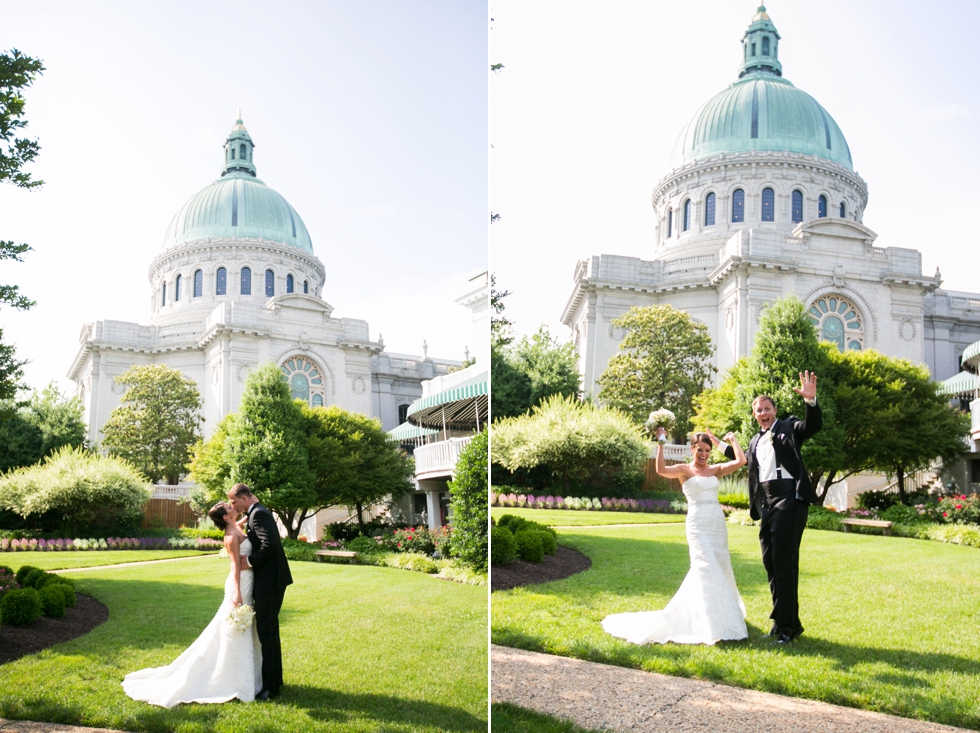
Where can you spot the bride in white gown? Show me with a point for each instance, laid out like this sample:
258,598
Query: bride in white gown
223,663
707,608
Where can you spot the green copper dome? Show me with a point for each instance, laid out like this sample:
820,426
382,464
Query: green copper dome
761,111
238,204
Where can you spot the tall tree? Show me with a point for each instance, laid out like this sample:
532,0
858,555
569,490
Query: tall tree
267,447
664,362
470,504
157,422
11,370
39,428
17,72
352,461
550,366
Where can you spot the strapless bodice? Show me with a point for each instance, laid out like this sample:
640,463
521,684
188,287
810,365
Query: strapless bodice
701,489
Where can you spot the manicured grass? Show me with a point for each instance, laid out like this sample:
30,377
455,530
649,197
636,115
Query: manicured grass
90,558
574,518
890,622
364,649
507,718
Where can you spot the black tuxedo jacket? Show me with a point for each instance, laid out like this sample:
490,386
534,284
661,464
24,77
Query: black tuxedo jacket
787,439
268,559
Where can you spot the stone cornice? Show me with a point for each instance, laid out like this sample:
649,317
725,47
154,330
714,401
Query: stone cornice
208,244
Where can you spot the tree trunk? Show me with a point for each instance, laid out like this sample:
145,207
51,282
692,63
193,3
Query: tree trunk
360,518
901,485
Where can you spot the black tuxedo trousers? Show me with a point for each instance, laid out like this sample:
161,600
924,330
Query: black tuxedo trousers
780,533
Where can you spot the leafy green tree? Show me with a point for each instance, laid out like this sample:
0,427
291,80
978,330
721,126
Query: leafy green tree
352,461
499,323
11,368
58,417
664,362
469,501
511,392
580,443
266,447
525,373
17,72
157,422
893,417
210,469
21,443
87,490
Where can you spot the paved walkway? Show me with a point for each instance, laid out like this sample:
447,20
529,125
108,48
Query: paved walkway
26,726
128,565
604,697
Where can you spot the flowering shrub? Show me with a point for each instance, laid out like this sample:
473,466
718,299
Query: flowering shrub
7,580
660,506
959,509
416,539
111,543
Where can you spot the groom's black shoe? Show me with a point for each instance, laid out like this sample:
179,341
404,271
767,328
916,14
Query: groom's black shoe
262,696
785,637
774,631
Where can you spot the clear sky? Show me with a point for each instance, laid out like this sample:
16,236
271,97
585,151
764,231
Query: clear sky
370,117
592,96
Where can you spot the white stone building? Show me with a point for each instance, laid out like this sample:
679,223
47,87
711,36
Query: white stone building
762,201
237,284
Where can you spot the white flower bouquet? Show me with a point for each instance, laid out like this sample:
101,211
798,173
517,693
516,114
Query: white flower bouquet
241,617
662,418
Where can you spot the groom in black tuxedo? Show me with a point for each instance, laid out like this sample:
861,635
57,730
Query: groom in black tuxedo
272,575
780,494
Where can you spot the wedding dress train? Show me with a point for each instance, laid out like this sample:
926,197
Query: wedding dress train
222,663
707,608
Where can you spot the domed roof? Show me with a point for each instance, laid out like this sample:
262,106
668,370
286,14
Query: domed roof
761,111
238,205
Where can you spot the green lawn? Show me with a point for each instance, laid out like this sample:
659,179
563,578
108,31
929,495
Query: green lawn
507,718
890,622
364,649
90,558
574,518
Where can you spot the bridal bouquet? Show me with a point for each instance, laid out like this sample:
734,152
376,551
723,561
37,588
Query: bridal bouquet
241,617
661,418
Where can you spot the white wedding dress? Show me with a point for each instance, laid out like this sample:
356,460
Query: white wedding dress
708,607
223,663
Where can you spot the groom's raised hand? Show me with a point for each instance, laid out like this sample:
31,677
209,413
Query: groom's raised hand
808,386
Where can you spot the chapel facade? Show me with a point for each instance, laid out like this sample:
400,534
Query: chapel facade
237,284
762,201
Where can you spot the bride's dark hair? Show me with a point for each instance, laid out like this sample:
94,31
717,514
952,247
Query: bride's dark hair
217,515
700,438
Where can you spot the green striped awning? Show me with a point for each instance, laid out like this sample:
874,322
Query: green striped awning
461,407
964,384
408,432
972,351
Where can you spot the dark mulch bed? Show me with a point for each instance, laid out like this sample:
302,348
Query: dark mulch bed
563,563
18,641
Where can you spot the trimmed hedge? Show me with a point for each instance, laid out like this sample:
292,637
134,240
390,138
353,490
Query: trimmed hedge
529,545
503,549
20,606
52,601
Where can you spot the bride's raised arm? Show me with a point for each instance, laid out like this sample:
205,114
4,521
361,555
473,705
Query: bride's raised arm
726,468
680,471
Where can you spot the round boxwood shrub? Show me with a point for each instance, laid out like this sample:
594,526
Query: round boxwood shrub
6,569
503,549
50,578
20,606
22,573
529,545
548,543
52,601
363,544
66,591
30,580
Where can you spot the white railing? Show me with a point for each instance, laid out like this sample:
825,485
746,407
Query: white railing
975,419
675,453
439,459
164,491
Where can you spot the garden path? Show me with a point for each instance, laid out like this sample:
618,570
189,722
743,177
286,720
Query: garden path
27,726
125,565
605,697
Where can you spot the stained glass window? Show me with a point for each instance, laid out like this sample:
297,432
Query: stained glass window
246,281
842,211
822,206
709,210
163,300
289,283
221,282
177,284
738,205
797,207
838,321
306,287
270,283
305,380
198,284
687,215
768,205
670,223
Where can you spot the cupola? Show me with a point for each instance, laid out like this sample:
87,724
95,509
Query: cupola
238,150
760,46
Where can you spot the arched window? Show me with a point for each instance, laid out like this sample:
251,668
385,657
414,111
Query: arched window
177,284
687,215
765,45
232,153
198,284
289,283
305,380
246,288
163,299
670,223
221,282
768,205
837,321
709,210
842,211
242,152
797,207
753,49
402,413
738,205
270,283
822,206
